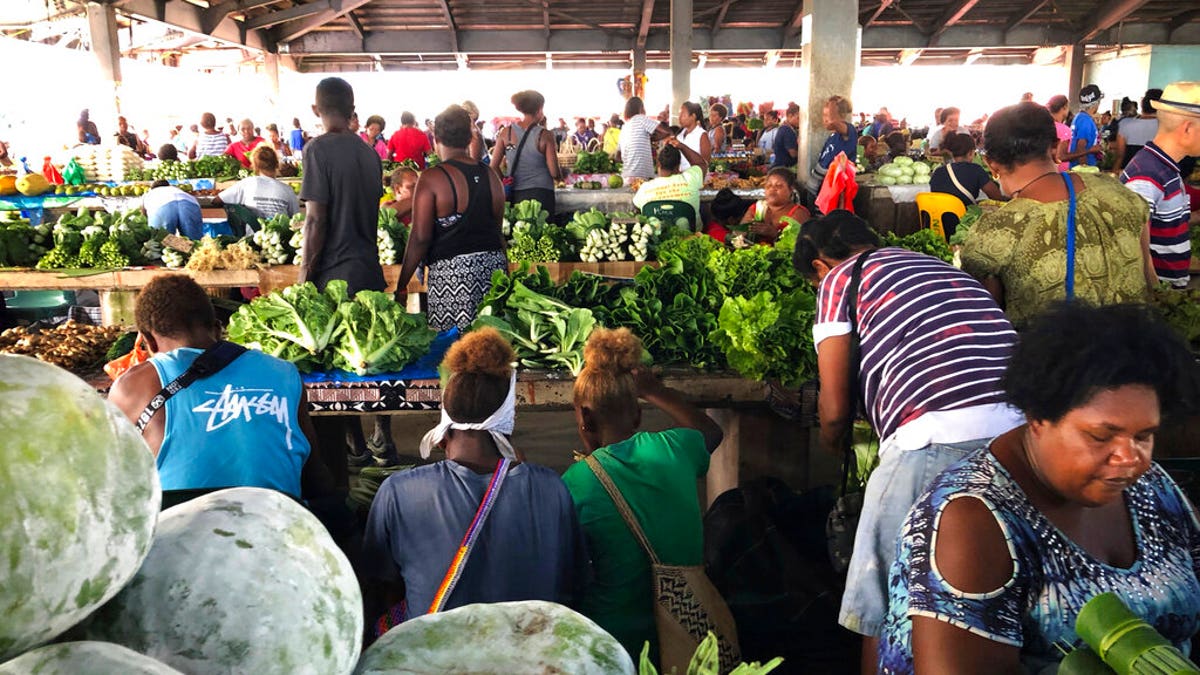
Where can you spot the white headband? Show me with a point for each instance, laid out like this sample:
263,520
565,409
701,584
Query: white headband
499,424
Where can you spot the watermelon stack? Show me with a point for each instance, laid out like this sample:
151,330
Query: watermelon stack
243,580
85,658
79,495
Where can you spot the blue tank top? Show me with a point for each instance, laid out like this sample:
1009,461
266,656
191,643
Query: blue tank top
235,428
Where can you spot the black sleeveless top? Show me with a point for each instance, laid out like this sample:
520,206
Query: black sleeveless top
472,230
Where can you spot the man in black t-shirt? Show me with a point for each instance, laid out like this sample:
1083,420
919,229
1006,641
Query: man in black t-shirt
341,190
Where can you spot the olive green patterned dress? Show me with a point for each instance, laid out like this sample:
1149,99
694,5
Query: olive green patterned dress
1024,245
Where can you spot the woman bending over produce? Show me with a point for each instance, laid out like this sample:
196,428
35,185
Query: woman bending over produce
458,206
766,219
932,347
528,546
998,557
656,473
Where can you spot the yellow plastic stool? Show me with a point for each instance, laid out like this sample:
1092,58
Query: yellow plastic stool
935,205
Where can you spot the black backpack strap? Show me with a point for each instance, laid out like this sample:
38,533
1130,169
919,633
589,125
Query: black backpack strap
213,360
855,354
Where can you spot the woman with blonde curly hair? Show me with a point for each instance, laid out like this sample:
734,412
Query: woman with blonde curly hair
528,545
656,473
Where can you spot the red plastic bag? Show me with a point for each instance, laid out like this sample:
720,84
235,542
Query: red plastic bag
839,187
139,354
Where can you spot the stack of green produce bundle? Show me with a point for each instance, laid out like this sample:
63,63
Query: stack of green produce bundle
1181,309
600,237
17,247
594,162
904,171
391,237
281,240
530,238
215,167
274,238
545,332
367,334
99,240
965,224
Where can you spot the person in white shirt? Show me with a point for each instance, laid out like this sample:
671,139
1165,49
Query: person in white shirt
692,133
634,149
262,193
766,142
671,184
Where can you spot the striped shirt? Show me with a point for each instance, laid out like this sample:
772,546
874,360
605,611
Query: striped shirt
637,157
932,338
210,145
1155,176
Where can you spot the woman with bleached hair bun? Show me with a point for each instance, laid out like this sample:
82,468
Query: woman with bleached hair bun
655,472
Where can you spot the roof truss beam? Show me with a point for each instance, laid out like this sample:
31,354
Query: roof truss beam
792,28
189,17
334,10
878,10
1181,19
951,16
1109,15
644,23
284,15
217,11
1026,13
451,27
716,25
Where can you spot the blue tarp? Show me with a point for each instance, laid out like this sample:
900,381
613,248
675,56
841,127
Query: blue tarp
425,368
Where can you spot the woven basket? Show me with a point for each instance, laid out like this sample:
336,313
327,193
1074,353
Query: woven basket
568,154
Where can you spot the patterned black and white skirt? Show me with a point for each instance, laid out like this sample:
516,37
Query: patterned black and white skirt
457,285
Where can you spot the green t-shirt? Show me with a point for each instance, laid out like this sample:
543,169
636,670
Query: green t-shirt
656,472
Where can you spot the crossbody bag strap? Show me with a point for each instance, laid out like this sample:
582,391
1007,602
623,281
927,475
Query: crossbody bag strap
1070,235
852,362
459,562
210,362
520,146
954,179
622,507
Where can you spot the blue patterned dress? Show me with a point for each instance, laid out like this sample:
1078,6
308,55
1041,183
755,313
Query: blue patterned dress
1053,577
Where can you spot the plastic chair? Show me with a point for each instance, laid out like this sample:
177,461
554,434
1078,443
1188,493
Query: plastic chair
933,206
670,211
31,306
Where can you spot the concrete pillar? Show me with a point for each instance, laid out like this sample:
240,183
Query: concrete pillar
271,71
639,71
681,55
1074,61
102,27
831,44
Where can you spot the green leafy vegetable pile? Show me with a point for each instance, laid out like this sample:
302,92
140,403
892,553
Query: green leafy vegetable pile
391,237
594,162
317,330
1181,309
530,238
707,661
924,241
965,224
94,240
545,332
704,306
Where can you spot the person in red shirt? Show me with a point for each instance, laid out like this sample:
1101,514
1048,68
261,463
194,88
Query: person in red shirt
240,149
408,142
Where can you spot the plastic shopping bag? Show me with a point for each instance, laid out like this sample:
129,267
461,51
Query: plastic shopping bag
839,187
139,354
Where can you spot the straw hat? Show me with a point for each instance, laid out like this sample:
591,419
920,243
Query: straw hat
1182,98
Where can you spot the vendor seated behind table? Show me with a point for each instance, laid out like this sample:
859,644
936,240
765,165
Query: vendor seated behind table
531,547
726,210
247,141
173,210
765,220
962,177
999,555
262,193
402,181
243,426
671,185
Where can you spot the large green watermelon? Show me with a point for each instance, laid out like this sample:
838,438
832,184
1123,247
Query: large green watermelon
243,580
504,638
85,658
78,499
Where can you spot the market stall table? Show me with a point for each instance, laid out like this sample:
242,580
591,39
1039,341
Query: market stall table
570,200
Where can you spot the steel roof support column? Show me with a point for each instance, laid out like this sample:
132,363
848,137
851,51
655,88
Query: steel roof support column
831,45
102,25
681,55
1075,63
